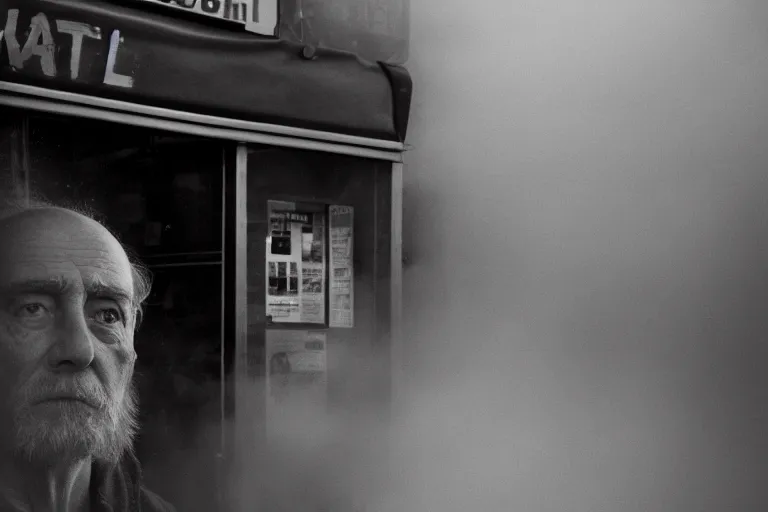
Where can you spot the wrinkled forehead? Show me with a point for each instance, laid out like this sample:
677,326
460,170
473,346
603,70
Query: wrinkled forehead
63,248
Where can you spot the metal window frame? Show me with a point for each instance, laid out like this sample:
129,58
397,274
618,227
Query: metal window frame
243,439
396,291
78,105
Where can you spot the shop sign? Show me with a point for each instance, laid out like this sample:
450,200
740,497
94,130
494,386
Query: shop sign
38,41
257,16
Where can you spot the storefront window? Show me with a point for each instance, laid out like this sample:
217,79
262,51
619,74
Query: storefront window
12,162
161,194
316,296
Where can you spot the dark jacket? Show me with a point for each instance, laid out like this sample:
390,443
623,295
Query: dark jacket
118,488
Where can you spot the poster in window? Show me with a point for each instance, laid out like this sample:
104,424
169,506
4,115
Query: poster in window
341,293
295,265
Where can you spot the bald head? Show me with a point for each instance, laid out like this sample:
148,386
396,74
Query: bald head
61,228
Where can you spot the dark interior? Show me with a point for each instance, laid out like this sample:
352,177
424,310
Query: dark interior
162,196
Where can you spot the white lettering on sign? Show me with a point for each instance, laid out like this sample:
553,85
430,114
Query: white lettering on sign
78,31
40,43
230,10
341,210
257,16
110,77
39,28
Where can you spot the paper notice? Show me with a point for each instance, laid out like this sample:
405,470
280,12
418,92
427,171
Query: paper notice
340,228
295,265
313,271
296,378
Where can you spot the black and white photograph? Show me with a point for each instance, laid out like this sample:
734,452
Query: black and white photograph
383,256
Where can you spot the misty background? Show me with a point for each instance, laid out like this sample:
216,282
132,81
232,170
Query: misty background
585,228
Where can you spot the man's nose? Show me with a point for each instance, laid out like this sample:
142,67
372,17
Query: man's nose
73,348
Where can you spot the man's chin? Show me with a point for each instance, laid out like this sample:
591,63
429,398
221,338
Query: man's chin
57,437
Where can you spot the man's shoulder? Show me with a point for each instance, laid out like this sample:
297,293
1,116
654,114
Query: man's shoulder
151,502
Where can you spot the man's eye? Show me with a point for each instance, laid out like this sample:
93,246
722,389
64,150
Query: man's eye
108,316
32,310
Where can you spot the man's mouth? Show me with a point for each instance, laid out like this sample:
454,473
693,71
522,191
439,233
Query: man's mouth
70,399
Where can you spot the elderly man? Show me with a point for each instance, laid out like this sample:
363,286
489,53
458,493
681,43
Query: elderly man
69,302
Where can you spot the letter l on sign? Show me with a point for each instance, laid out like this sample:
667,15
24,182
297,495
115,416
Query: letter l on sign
110,77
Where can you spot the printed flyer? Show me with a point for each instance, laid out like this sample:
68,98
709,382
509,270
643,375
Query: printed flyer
295,265
342,298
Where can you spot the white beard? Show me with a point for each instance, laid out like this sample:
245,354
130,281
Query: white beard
56,430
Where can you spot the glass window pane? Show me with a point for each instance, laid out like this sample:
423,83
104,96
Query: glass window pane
161,194
322,341
12,176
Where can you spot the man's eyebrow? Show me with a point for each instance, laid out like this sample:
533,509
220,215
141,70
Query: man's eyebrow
58,285
109,291
46,286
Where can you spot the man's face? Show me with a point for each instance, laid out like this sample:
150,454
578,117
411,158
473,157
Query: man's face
66,338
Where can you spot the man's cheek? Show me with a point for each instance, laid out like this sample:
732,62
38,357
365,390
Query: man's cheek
117,361
128,350
9,377
12,332
126,354
114,337
20,343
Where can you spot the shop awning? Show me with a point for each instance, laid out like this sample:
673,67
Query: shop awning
162,59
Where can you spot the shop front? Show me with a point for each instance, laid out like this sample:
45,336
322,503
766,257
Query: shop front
260,181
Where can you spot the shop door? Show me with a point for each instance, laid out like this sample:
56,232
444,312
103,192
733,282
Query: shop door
317,302
161,194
